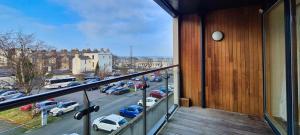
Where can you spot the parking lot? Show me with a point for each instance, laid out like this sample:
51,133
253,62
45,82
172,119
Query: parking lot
109,104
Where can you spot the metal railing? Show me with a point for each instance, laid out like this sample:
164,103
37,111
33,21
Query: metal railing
5,105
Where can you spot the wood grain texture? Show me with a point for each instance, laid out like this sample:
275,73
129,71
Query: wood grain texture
234,65
190,58
197,121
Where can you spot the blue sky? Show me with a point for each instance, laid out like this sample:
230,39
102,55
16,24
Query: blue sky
114,24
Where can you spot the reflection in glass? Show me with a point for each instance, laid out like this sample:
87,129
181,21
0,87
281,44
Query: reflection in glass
275,66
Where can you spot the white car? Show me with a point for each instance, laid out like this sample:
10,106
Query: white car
109,123
150,101
64,107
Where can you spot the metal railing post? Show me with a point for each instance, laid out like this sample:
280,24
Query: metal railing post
167,92
86,118
144,104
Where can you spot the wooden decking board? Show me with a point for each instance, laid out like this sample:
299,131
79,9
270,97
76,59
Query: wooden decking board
232,120
222,125
197,121
210,128
232,116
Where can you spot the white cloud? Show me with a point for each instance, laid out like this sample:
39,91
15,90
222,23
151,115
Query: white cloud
103,23
121,23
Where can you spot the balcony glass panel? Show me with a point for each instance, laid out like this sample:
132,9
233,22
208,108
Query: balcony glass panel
298,55
53,116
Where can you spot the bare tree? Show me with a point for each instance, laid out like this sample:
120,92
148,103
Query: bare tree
21,51
103,71
149,63
97,68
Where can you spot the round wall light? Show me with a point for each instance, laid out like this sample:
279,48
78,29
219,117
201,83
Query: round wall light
217,36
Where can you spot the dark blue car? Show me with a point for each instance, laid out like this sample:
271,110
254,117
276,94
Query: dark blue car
131,111
163,89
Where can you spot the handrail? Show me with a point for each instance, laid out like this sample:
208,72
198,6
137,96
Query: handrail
65,91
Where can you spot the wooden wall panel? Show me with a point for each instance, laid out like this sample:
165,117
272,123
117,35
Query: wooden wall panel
234,65
190,58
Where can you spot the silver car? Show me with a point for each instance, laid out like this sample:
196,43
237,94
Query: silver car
7,95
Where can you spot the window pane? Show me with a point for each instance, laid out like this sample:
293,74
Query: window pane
275,66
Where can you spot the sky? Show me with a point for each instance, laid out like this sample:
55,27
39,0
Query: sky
113,24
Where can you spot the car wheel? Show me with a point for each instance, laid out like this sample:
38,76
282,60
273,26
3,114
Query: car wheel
60,113
95,127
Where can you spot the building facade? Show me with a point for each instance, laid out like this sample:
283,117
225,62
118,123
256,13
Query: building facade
81,64
94,58
105,60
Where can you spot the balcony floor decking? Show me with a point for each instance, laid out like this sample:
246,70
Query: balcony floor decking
198,121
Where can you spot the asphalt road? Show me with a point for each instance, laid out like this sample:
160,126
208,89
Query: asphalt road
108,104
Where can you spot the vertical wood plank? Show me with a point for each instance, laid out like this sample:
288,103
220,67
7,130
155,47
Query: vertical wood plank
233,65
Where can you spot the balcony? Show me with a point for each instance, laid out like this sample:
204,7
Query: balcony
196,120
235,72
81,119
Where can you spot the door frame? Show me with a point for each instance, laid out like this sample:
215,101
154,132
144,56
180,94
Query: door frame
291,66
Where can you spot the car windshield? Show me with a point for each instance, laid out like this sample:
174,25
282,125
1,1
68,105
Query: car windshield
61,105
149,100
122,122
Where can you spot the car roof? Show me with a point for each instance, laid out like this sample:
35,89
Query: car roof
151,98
134,106
67,102
114,117
156,91
47,101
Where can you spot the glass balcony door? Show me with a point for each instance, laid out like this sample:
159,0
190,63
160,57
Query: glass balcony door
275,71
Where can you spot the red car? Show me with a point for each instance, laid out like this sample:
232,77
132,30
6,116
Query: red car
157,94
140,85
29,106
26,107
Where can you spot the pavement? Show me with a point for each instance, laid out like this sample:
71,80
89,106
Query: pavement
108,104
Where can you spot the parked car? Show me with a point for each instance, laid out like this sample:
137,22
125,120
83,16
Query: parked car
112,89
130,84
4,90
120,83
64,107
140,85
135,79
155,79
150,101
8,94
92,78
109,123
15,96
163,89
140,78
26,107
105,88
73,84
157,94
131,111
91,81
45,105
121,90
